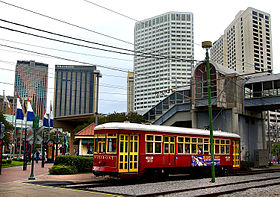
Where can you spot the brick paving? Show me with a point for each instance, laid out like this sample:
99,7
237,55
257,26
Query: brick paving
17,174
14,183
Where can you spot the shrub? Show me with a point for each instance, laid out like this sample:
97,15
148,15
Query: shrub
82,164
62,169
6,161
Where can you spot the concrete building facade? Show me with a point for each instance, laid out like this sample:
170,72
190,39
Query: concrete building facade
246,45
75,90
163,44
31,81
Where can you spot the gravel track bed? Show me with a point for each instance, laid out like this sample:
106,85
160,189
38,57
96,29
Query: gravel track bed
150,188
257,192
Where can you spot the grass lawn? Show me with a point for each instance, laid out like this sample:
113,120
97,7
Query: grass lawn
14,163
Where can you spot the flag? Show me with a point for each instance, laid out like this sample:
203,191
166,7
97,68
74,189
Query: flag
51,116
30,113
46,120
5,99
19,112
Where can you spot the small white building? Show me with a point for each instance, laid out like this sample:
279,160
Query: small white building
85,137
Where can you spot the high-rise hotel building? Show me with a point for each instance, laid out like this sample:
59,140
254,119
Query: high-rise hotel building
165,49
31,81
75,90
246,45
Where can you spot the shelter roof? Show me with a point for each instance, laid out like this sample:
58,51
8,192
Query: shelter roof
87,131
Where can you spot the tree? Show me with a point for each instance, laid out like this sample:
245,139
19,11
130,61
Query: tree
114,117
8,129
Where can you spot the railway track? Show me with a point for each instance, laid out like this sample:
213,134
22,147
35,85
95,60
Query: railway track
190,187
216,190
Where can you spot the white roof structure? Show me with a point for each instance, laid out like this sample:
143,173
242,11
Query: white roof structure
161,129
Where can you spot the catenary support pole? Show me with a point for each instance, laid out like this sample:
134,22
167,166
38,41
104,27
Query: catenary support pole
207,45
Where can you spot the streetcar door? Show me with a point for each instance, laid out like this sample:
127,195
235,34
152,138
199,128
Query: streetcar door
235,154
128,153
133,153
169,150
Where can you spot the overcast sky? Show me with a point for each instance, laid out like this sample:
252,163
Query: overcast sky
210,20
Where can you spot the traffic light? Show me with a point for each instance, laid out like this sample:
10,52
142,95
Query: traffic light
2,129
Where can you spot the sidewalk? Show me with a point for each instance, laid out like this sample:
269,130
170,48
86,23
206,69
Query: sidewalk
17,174
14,183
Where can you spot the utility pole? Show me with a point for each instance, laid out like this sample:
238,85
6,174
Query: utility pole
207,45
98,75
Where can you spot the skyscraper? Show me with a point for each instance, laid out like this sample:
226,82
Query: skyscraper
246,45
75,90
31,81
168,39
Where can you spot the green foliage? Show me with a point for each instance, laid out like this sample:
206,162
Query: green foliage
8,129
63,169
275,149
5,161
114,117
82,164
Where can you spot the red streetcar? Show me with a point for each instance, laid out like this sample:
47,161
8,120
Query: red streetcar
129,149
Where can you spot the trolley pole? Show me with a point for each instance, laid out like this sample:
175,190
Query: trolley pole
207,45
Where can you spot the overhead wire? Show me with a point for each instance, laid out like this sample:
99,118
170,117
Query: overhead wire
66,59
65,22
67,51
132,52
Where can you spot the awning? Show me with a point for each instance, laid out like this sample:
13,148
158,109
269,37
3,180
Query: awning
85,142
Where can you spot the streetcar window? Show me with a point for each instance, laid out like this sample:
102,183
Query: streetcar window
180,139
149,137
180,146
227,149
200,140
166,148
169,145
222,149
101,145
153,144
95,146
217,146
206,140
158,147
193,140
194,148
187,139
187,148
111,143
200,149
206,148
217,149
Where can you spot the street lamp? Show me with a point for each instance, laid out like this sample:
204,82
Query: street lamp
207,45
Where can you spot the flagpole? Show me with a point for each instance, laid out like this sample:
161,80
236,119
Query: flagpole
11,149
25,145
15,131
3,104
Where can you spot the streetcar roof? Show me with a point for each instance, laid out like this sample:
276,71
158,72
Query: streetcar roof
161,129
